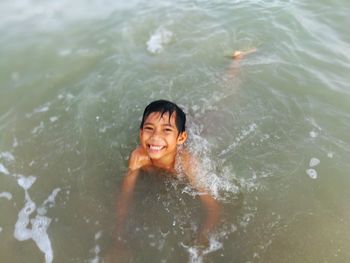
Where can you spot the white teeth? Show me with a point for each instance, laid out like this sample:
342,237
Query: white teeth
155,148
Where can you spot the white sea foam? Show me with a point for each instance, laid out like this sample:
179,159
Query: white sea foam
38,231
6,195
243,134
39,224
96,259
25,182
219,183
312,173
49,202
197,254
96,249
40,109
21,232
40,236
7,156
53,118
313,134
158,39
4,170
314,162
43,108
38,128
98,235
68,96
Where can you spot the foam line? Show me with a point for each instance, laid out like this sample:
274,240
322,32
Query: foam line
39,224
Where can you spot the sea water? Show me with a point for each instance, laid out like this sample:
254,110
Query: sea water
272,138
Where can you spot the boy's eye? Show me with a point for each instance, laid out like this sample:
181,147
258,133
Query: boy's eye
168,130
148,128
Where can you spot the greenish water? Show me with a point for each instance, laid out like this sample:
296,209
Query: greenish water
274,142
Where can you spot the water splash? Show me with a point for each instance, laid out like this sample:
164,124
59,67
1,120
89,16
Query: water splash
158,39
197,253
96,250
243,134
218,182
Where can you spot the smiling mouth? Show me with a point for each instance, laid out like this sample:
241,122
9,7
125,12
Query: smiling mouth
155,148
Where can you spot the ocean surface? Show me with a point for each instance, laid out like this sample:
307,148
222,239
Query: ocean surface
271,132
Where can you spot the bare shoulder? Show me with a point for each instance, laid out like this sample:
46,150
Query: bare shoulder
189,164
186,157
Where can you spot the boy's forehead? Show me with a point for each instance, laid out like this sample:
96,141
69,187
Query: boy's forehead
158,116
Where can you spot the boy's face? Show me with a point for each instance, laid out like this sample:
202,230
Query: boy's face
159,136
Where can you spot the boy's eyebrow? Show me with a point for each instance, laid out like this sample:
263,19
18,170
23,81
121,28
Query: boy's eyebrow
150,123
168,124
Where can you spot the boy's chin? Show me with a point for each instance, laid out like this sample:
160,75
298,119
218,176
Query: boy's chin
153,156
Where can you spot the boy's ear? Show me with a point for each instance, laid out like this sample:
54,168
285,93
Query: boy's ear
140,134
182,138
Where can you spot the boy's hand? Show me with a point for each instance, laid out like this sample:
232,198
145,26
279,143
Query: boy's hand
138,159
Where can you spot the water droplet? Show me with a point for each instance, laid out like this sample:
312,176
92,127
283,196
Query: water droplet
312,173
313,134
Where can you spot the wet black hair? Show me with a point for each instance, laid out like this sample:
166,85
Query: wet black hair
164,106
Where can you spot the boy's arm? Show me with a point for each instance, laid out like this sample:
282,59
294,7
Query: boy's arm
119,252
124,199
212,210
211,206
236,57
137,159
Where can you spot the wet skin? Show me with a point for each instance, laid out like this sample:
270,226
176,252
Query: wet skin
159,139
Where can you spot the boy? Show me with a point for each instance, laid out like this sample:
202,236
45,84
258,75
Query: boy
162,132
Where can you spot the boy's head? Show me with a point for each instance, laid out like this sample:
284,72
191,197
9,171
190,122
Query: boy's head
162,129
167,108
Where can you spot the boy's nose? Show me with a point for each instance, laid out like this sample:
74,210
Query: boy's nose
156,134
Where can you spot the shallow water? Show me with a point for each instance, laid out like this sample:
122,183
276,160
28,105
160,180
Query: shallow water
274,141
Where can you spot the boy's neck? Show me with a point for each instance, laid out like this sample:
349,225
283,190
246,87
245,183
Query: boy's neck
168,164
